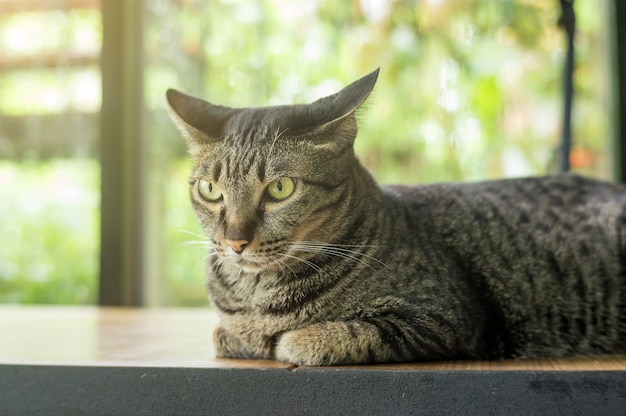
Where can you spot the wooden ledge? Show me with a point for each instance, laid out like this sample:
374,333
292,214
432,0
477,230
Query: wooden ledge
129,337
91,360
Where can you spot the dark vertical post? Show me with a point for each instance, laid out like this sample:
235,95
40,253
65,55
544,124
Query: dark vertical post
619,54
568,21
122,154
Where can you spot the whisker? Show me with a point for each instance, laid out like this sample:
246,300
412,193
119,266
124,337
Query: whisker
239,274
283,264
278,135
328,233
324,244
195,243
312,265
200,236
341,255
339,251
382,263
216,265
203,242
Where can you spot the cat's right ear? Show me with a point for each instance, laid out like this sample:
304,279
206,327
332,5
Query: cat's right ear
199,121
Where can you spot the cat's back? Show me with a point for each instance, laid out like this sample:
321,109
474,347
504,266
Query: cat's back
554,192
552,209
564,216
547,254
553,204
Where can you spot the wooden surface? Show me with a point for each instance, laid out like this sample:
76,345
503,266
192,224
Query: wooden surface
110,361
123,337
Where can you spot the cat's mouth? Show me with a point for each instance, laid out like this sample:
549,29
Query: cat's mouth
275,255
289,256
251,262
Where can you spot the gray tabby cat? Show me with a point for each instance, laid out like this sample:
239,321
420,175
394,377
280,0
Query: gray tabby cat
313,263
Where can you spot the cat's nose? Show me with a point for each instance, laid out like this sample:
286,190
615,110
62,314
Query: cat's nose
237,245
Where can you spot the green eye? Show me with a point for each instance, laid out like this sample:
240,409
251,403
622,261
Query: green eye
209,191
281,188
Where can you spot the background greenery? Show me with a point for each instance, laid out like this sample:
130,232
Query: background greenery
468,90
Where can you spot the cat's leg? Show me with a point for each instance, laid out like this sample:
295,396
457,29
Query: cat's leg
379,339
228,345
333,343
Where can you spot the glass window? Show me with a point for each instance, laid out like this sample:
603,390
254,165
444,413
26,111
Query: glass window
49,175
468,90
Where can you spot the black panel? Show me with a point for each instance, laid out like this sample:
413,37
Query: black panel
32,390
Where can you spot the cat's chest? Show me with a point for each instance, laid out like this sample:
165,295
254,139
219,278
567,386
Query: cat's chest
255,294
255,307
255,322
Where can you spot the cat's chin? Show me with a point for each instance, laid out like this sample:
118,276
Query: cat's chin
254,262
252,266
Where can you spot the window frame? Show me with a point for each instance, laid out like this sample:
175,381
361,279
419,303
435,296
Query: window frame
122,156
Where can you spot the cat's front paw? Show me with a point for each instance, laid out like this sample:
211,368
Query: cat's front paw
226,345
316,345
298,347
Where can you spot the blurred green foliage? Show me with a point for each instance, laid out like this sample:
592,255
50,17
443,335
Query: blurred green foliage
49,214
468,89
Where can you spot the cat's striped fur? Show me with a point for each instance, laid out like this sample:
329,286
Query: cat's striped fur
344,271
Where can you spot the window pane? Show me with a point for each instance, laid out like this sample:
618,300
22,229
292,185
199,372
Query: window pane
49,173
468,90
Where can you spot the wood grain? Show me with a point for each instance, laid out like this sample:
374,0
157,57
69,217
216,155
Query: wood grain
94,336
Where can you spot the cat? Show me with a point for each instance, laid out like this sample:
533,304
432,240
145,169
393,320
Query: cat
313,263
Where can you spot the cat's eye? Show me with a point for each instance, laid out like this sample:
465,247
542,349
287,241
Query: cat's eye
209,191
281,188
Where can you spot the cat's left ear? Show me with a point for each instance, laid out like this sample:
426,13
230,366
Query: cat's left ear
336,113
199,121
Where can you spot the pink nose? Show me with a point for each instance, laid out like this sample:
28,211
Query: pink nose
237,245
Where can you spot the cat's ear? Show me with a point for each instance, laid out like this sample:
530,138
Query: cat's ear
199,121
349,99
336,113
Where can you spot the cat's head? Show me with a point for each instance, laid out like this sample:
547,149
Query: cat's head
269,183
